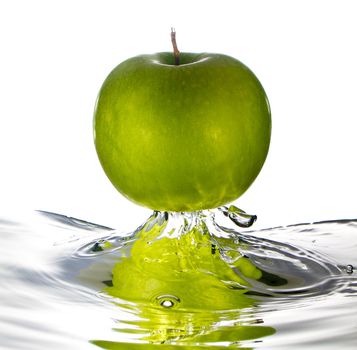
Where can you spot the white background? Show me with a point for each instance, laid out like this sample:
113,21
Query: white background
54,56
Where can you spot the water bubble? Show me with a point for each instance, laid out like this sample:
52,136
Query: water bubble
168,300
167,303
349,269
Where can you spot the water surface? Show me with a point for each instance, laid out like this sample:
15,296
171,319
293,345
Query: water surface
71,284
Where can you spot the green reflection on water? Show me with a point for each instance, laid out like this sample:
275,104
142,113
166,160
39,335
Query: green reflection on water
186,295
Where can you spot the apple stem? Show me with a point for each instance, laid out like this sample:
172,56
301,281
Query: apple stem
174,45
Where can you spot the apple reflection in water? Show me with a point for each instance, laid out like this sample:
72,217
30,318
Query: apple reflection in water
182,288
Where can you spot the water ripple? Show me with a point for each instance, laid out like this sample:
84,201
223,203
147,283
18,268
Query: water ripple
194,281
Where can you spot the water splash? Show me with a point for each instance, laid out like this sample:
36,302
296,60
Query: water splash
67,284
238,216
349,269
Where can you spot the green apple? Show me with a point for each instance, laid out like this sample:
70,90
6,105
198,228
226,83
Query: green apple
182,137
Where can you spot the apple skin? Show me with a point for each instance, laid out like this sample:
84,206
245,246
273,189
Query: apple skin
182,137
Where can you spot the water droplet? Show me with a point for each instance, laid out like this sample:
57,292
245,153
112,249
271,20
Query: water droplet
349,269
230,255
239,216
100,245
213,248
96,247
